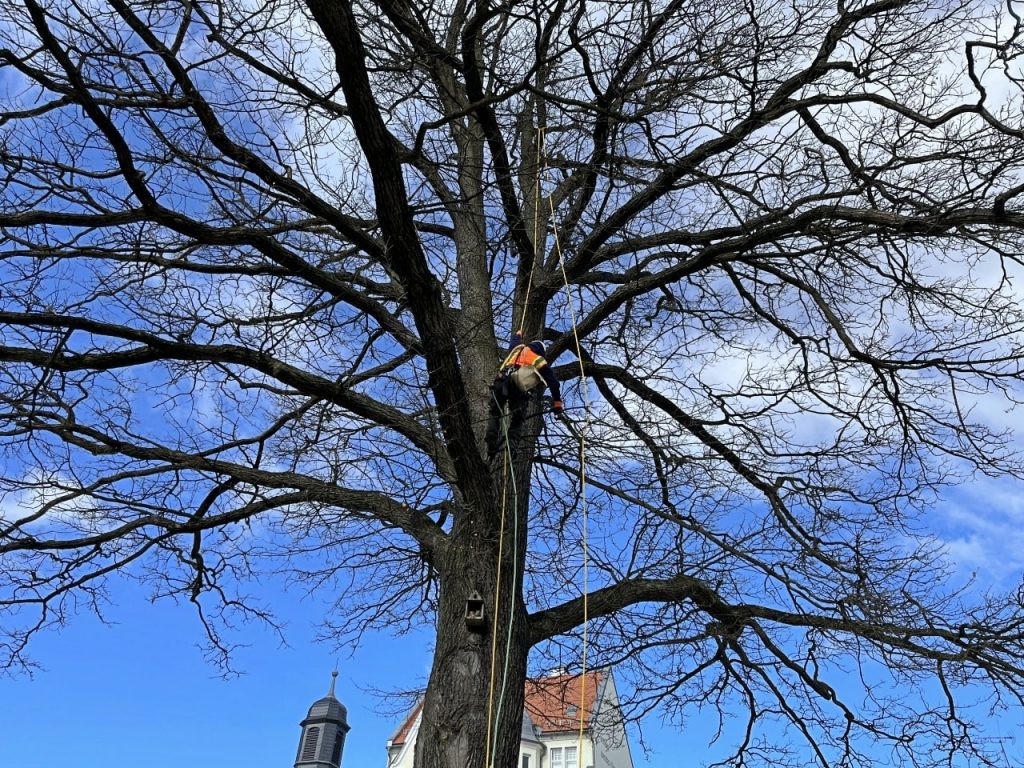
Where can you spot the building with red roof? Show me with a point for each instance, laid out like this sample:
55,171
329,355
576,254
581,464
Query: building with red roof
554,707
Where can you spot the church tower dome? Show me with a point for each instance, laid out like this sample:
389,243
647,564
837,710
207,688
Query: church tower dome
323,732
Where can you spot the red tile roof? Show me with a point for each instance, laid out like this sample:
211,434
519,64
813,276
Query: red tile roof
553,703
406,726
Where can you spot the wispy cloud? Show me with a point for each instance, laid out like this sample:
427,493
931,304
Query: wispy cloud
63,502
983,527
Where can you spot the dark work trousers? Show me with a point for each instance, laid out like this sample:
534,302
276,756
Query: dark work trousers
505,392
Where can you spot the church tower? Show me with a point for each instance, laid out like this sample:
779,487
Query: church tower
323,732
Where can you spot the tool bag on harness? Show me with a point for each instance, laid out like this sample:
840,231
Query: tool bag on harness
525,377
520,367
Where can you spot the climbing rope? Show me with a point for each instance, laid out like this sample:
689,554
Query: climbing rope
510,473
583,476
490,748
488,755
536,226
494,717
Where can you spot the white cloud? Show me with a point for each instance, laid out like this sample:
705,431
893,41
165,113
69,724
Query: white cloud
12,509
63,502
982,525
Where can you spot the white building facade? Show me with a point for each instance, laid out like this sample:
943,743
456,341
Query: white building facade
551,725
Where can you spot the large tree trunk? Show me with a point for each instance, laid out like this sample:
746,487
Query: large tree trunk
469,702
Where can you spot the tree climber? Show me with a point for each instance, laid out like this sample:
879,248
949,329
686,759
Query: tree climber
522,372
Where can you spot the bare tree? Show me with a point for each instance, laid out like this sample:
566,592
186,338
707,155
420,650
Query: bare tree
259,264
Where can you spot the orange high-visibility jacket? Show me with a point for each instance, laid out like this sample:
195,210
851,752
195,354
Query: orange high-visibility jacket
521,354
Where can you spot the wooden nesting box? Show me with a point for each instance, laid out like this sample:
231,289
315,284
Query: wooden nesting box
475,619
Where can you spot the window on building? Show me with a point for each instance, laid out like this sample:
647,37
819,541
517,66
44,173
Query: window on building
526,761
555,755
339,741
570,757
309,745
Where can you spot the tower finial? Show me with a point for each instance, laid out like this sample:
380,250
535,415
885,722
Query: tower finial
334,677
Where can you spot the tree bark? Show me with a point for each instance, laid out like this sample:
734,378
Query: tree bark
472,714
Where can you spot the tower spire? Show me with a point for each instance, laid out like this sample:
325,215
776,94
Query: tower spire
323,731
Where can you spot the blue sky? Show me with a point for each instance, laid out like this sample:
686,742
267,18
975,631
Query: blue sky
110,695
140,687
139,692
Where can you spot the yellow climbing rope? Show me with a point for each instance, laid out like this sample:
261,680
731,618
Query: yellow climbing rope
492,716
488,754
583,478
